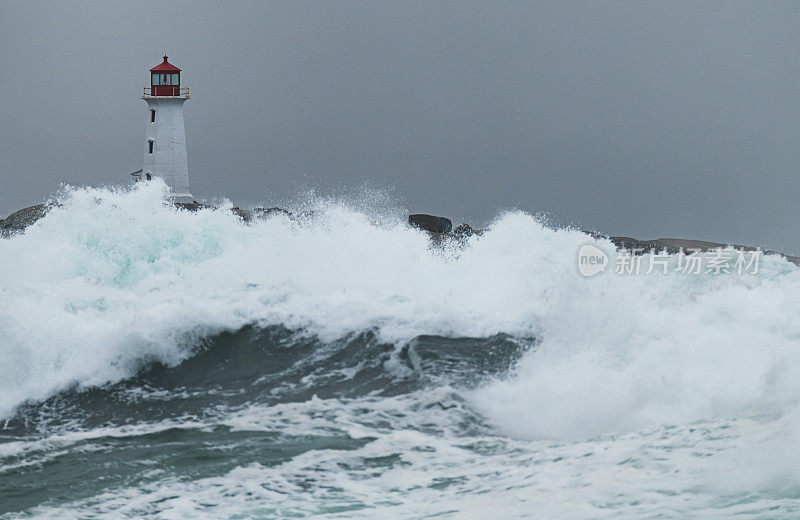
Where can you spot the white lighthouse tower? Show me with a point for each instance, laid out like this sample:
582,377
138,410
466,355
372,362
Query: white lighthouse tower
165,135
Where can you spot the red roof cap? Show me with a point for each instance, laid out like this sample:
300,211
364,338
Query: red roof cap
165,66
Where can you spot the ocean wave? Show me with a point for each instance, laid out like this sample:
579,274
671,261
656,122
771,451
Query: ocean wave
112,280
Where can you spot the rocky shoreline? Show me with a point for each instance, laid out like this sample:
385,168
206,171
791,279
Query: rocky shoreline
438,227
21,219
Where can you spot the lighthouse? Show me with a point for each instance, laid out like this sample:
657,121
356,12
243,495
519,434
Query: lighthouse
165,134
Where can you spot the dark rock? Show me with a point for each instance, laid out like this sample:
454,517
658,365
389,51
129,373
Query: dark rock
430,223
263,213
793,259
676,245
466,231
19,220
243,214
671,245
193,206
23,218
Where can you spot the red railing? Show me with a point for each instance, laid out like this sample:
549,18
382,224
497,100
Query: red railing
166,91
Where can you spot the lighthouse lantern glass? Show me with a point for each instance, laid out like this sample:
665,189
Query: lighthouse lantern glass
165,82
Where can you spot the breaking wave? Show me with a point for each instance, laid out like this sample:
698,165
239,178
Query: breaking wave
111,281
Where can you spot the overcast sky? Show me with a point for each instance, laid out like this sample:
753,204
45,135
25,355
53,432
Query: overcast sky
674,119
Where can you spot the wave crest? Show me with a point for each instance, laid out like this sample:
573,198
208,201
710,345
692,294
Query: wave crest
112,279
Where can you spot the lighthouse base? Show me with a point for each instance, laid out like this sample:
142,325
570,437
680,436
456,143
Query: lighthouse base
185,198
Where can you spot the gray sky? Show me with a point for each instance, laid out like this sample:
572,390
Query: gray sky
675,119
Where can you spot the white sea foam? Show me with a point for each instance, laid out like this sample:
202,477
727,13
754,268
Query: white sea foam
111,279
415,462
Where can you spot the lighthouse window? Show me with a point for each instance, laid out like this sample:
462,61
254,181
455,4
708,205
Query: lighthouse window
165,79
175,80
150,146
156,78
152,116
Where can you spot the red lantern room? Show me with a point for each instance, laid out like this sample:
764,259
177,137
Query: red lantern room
165,79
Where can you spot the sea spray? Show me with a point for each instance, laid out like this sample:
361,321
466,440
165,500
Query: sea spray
197,365
111,279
